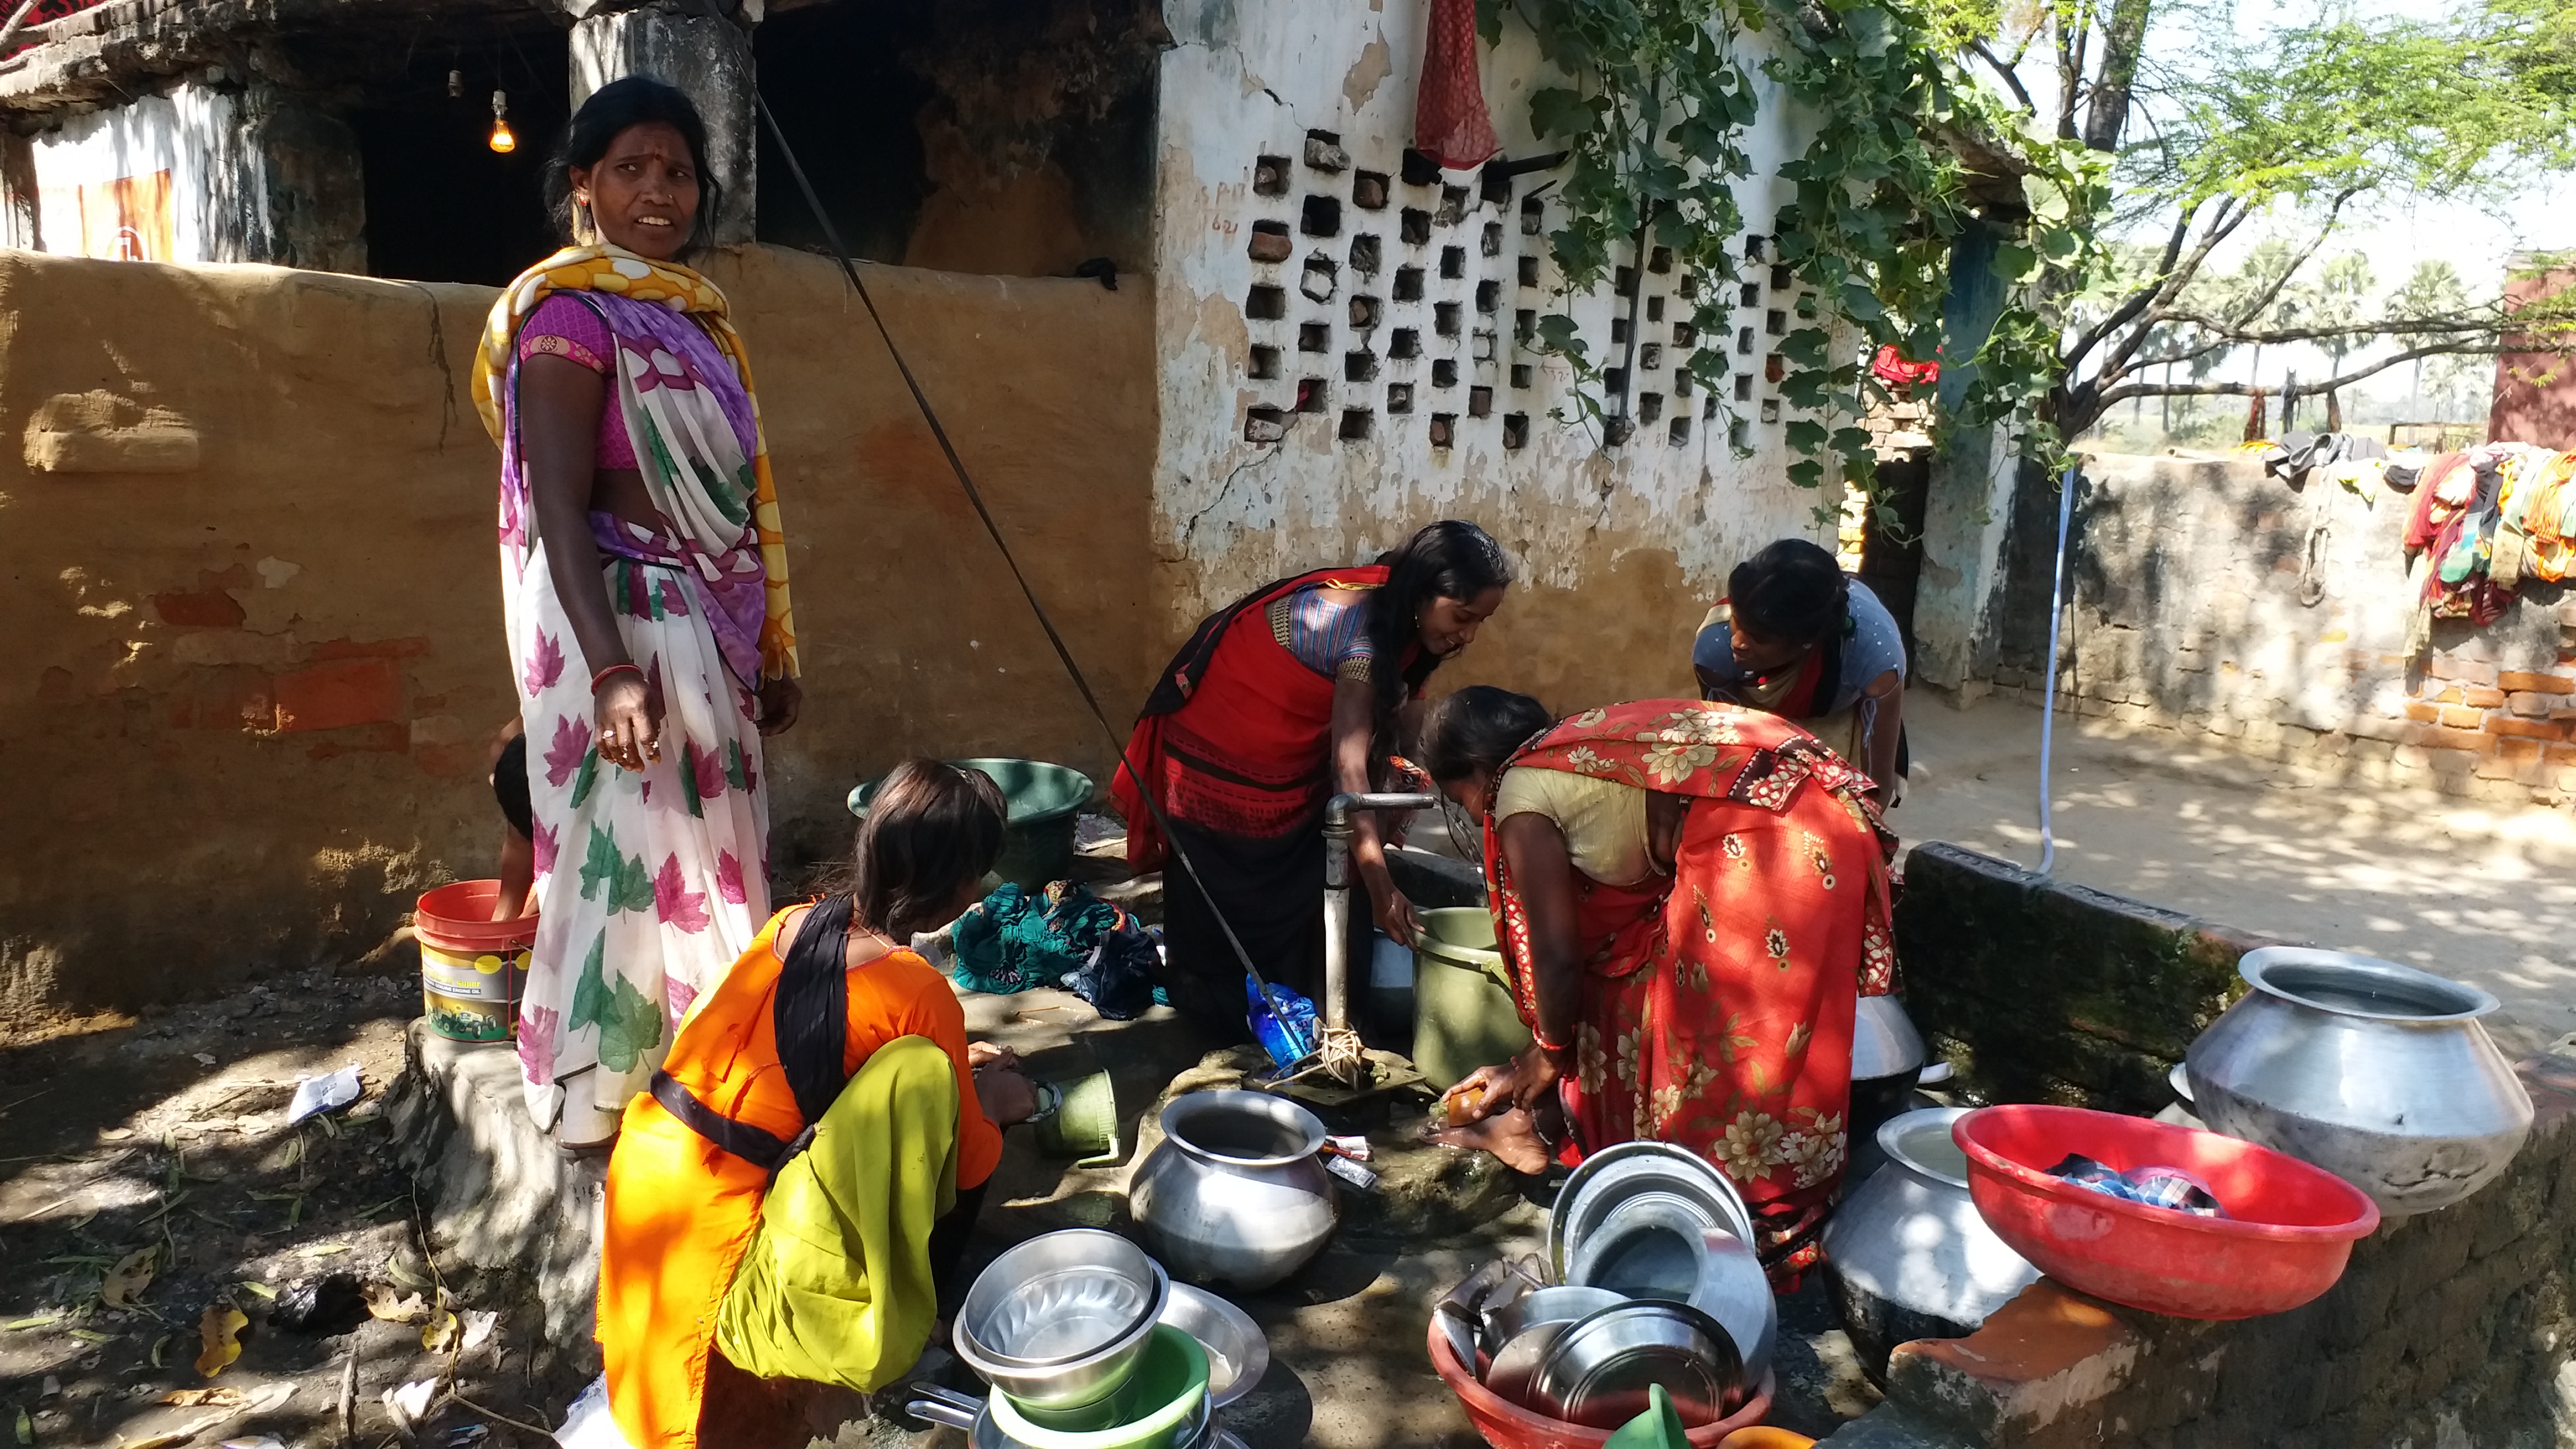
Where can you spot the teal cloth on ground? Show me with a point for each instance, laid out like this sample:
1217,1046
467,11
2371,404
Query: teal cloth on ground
1012,941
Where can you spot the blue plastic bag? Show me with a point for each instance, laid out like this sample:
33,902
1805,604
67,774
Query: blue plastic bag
1290,1033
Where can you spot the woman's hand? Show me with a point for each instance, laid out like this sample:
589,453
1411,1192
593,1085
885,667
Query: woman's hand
630,720
1534,1076
1393,912
982,1054
780,702
1005,1094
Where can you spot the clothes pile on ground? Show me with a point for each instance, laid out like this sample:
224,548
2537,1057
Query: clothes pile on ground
2484,520
1011,942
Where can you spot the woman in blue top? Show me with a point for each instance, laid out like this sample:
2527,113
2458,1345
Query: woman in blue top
1794,638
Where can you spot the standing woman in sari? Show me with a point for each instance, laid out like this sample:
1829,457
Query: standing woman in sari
1690,897
1301,690
645,582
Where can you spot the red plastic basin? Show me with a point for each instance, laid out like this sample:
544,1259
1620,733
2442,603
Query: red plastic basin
2290,1229
1507,1425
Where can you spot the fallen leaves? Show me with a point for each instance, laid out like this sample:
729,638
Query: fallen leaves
440,1333
231,1404
382,1303
220,1333
132,1274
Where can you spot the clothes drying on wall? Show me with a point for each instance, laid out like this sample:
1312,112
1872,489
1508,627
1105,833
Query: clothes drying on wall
2484,521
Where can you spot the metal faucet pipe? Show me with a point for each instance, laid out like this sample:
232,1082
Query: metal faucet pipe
1337,894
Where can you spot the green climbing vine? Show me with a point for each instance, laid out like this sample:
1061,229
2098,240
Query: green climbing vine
1659,99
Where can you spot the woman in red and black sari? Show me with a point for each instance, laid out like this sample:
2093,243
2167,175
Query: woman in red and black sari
1299,691
1691,897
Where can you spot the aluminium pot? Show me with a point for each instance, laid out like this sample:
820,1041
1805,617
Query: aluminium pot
2379,1073
1234,1193
1907,1254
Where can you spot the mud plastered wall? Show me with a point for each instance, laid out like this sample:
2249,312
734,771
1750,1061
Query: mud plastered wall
2234,607
255,653
1339,339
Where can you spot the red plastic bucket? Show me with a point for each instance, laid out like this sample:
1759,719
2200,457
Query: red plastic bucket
472,968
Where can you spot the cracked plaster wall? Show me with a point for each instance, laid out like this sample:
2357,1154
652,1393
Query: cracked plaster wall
1621,552
256,654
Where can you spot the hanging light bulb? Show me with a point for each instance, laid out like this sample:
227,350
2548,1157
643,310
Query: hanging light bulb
455,84
502,140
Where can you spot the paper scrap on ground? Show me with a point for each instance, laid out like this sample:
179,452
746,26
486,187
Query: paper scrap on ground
322,1094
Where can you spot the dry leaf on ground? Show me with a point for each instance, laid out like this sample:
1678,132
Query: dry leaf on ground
180,1435
220,1331
192,1398
439,1333
131,1275
382,1302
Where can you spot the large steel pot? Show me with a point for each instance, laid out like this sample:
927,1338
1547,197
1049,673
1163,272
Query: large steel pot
2377,1072
1907,1254
1234,1193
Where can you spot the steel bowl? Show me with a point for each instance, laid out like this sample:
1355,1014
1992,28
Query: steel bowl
936,1405
1238,1351
1601,1369
1519,1334
1651,1248
1632,1171
1059,1321
1884,1041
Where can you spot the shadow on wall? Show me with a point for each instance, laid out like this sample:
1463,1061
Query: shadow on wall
256,590
2209,598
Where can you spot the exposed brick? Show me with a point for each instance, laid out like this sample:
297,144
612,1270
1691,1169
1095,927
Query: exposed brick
2529,729
2529,705
385,738
2443,693
447,761
235,697
2460,716
2437,737
339,694
2536,683
2049,1352
206,609
2385,731
2478,696
405,648
2466,671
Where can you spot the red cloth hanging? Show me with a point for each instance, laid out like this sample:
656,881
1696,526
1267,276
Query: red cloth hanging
1895,371
1450,123
2254,426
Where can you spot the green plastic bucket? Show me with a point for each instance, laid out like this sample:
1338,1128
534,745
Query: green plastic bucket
1463,1016
1044,799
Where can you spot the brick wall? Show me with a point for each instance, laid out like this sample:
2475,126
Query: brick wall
2211,601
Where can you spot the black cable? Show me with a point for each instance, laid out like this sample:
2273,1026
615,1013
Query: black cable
975,497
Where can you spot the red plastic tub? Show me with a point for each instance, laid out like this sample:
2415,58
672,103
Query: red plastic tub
1507,1425
2290,1227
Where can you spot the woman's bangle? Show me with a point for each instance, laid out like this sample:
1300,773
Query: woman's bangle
1552,1048
601,676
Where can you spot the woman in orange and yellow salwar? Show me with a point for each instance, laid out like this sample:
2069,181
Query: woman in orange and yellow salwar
712,1311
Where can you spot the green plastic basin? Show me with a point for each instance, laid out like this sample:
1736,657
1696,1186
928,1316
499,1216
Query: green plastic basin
1044,801
1463,1016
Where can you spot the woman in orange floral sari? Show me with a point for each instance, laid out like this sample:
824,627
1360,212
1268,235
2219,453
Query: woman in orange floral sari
1690,896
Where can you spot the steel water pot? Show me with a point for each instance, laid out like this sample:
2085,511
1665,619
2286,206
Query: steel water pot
1907,1254
1234,1194
2379,1073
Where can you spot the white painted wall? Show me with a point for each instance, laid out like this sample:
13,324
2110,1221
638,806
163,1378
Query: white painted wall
188,133
1251,78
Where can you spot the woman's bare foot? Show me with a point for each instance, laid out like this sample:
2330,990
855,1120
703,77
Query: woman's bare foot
1511,1136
